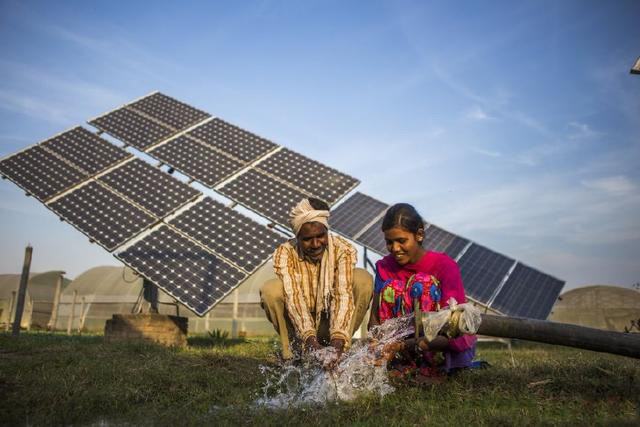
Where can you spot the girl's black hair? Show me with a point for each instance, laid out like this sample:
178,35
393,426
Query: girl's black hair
403,215
318,204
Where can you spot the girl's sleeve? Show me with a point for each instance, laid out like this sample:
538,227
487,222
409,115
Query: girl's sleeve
451,286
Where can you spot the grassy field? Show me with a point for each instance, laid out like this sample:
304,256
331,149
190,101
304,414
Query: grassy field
80,380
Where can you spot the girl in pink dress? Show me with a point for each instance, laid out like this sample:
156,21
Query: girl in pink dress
408,262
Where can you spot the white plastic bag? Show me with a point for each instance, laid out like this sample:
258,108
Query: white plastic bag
468,321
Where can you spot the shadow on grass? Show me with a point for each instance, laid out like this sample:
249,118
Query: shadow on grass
205,341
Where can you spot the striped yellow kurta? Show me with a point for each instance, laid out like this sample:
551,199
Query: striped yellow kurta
302,288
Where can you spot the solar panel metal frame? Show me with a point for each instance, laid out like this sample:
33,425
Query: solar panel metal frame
153,176
475,255
538,301
255,175
102,123
203,131
222,235
267,165
197,309
162,152
61,164
149,104
72,221
342,219
86,147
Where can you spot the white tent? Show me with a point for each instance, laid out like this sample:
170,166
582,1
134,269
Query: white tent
98,293
603,307
39,297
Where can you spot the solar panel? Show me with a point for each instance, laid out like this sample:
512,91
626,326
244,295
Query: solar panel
196,160
86,150
528,293
439,240
149,187
228,233
355,213
231,139
132,128
183,269
40,173
482,271
169,111
308,175
264,195
102,215
373,238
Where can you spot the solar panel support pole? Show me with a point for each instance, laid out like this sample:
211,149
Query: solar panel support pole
56,304
151,295
22,290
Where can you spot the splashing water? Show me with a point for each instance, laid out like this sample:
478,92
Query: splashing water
359,371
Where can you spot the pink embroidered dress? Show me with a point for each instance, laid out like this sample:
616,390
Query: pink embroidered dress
461,350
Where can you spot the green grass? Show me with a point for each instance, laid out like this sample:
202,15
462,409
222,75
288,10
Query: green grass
57,379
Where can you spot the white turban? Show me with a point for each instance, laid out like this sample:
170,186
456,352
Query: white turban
304,212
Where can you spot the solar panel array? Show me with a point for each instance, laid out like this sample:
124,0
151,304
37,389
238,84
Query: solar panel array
132,128
482,271
232,140
194,276
156,191
86,150
40,173
196,160
169,111
263,194
228,233
101,214
537,290
205,250
353,215
308,175
439,240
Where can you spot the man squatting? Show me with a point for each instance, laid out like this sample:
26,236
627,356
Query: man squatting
318,298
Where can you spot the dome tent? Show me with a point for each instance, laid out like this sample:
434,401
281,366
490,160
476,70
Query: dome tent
603,307
103,291
41,289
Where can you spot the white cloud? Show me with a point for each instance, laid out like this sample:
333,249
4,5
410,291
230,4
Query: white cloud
487,153
478,114
580,131
550,207
614,185
33,106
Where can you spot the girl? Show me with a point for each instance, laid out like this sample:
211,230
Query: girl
408,262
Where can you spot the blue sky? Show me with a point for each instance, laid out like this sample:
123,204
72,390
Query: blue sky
514,124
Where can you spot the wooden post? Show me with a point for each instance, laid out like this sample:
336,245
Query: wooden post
81,321
56,304
72,313
22,290
234,319
206,321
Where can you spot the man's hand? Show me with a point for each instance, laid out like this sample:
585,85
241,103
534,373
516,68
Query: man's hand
338,345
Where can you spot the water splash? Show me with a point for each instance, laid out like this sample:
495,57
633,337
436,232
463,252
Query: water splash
359,372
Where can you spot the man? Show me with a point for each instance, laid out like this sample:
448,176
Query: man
318,296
